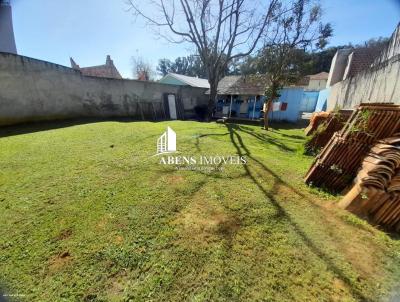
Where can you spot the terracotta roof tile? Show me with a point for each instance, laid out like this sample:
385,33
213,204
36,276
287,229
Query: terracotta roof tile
319,76
362,58
107,70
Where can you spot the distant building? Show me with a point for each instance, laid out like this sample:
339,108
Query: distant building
317,82
243,97
183,80
194,97
7,40
107,70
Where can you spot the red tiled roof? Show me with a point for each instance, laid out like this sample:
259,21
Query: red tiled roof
319,76
107,70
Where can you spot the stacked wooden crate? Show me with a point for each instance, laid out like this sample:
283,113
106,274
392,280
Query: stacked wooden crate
337,164
376,193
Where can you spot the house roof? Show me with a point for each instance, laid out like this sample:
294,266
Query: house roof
107,70
362,58
243,85
191,81
319,76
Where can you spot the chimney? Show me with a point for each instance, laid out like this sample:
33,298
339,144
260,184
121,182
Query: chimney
73,64
109,62
7,40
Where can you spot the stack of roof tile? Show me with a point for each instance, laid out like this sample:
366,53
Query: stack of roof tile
316,120
376,193
337,164
325,129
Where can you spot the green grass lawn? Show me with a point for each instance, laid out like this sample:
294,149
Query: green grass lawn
88,214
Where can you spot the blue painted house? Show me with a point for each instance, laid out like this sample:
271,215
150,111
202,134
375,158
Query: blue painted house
298,100
243,97
322,100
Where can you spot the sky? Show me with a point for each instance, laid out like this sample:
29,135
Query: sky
89,30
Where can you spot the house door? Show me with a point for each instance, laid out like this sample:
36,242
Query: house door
172,107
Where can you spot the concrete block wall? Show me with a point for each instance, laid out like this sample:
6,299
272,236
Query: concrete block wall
380,83
32,90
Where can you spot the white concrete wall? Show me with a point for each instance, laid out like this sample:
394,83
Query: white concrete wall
338,66
32,89
316,85
380,83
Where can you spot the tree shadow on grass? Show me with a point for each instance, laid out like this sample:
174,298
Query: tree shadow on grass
264,134
197,143
275,126
242,150
262,137
295,137
38,126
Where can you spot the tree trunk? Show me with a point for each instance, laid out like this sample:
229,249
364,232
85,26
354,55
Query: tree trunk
266,112
211,100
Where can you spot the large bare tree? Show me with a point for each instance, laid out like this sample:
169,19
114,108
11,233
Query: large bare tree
220,30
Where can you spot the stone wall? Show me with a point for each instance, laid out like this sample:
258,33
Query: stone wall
379,83
33,90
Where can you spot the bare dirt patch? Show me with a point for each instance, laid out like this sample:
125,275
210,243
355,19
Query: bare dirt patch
118,239
202,222
101,225
117,285
64,234
58,262
364,258
341,287
175,179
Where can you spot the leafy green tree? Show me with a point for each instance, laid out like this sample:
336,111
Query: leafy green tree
296,30
189,65
305,61
193,66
